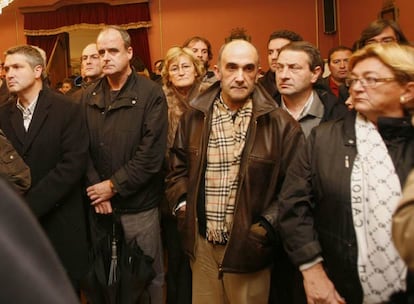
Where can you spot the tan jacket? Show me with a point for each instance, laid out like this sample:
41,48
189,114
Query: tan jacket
403,223
12,166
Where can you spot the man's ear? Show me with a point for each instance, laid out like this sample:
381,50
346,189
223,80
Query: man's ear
316,73
130,52
38,71
217,72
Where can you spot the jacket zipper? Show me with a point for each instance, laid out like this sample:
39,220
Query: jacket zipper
251,134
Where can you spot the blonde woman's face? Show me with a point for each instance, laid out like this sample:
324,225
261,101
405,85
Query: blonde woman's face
374,90
182,72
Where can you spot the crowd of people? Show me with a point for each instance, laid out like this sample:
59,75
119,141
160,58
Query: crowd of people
237,185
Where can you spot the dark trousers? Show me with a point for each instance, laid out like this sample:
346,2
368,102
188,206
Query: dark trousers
178,275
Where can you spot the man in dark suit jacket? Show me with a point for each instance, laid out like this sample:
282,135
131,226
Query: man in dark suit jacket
48,132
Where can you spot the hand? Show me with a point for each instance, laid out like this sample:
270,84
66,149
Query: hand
259,234
319,289
100,192
180,215
103,208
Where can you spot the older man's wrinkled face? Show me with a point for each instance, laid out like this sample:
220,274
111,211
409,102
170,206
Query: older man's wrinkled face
114,55
238,72
91,62
293,73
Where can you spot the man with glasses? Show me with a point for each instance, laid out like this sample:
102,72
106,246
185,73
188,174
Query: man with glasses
298,68
382,31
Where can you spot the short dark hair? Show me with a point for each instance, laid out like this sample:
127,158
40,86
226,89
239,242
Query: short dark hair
336,49
376,27
206,42
314,56
285,34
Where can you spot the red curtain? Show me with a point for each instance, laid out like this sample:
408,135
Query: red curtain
41,28
93,13
47,43
140,46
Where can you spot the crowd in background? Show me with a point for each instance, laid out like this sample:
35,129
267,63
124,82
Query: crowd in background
236,185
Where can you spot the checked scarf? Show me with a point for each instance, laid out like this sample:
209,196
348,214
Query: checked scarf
225,147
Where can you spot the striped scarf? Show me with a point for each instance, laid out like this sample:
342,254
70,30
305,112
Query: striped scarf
225,147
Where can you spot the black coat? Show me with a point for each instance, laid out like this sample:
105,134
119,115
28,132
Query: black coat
128,139
268,81
55,148
315,201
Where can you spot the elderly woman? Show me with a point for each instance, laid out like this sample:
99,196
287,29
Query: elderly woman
182,74
340,193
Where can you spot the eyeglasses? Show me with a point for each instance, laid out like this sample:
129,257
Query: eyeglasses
382,40
367,82
176,69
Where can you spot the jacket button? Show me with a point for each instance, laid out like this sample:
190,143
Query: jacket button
351,141
134,101
11,156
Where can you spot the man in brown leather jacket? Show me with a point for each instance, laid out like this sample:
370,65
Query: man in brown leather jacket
227,165
12,166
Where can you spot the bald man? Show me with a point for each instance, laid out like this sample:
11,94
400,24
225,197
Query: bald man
224,179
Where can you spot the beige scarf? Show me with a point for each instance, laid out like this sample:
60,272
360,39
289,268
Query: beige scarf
225,147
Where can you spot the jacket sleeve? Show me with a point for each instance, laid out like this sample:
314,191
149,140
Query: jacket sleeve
403,224
296,207
149,156
12,166
293,141
70,168
177,177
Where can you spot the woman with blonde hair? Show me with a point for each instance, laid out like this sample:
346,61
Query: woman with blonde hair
341,191
182,81
182,74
